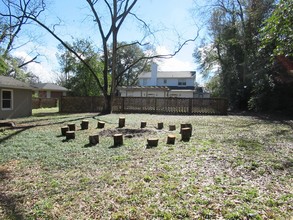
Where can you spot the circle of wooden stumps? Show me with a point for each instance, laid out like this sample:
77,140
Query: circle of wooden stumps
84,125
160,125
64,129
101,124
121,123
171,139
118,140
143,124
152,142
71,127
94,139
70,135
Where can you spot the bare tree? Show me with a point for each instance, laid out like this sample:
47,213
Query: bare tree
116,11
13,19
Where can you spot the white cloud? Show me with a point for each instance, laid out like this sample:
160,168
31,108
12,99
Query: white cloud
45,68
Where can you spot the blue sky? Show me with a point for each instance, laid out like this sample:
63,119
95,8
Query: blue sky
170,18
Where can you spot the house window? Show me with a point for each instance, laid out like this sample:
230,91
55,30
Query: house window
7,99
181,82
144,82
165,81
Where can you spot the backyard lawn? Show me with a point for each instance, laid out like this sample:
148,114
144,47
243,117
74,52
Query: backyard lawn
233,167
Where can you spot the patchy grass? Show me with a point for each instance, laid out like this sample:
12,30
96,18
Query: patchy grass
234,167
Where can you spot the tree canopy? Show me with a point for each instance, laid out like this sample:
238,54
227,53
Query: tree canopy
246,37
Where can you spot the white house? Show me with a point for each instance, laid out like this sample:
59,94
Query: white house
171,79
156,83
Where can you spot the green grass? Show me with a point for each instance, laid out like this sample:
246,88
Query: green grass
234,167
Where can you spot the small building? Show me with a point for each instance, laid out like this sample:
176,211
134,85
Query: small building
49,90
15,98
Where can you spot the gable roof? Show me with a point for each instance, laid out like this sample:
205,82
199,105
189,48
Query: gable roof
11,83
49,86
169,74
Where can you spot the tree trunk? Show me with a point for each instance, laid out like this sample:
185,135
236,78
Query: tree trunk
107,108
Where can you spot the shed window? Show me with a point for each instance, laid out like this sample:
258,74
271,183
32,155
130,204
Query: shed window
7,99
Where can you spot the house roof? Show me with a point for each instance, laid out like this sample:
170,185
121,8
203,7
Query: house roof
11,83
49,87
169,74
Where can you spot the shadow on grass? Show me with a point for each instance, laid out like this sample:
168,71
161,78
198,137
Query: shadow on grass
20,129
9,203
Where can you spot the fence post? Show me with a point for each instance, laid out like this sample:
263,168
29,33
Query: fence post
123,103
190,106
155,105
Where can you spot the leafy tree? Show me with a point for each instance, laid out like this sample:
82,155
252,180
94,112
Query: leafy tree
234,27
127,54
78,78
278,32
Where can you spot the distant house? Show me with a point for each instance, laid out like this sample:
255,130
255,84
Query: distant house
49,90
15,98
156,83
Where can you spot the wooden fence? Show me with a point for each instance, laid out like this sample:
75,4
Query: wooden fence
44,103
184,106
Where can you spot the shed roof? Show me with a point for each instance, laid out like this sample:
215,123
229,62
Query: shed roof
49,86
11,83
169,74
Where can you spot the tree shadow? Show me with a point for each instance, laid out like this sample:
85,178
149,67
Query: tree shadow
10,203
19,129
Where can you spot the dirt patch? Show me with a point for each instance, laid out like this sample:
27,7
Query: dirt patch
128,133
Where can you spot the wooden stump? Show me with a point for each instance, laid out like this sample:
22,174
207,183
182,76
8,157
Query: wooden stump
186,125
101,124
118,139
160,125
185,134
64,129
152,142
143,124
94,139
172,127
84,125
70,135
71,127
171,139
121,122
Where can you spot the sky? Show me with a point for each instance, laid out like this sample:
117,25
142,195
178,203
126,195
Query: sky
172,21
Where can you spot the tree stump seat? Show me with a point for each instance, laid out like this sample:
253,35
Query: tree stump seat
171,139
118,139
64,129
101,124
70,135
84,125
172,127
94,139
71,127
152,142
143,124
185,134
160,125
121,122
186,125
